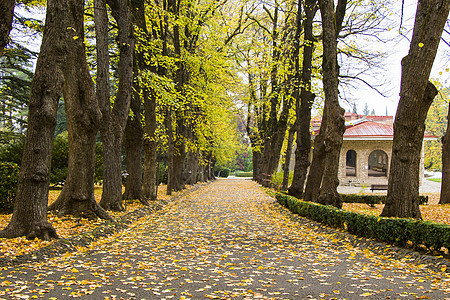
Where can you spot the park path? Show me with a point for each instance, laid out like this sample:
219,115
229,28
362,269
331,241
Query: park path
226,240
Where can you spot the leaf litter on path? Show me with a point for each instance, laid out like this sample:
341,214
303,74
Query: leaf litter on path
226,240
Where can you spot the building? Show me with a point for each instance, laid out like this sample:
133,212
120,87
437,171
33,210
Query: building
366,150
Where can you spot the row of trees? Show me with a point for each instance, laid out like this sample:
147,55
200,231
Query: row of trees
161,84
285,78
177,68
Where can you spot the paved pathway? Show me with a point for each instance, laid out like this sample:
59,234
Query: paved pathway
226,240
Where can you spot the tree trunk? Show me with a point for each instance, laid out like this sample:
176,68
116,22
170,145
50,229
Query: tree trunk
315,174
191,168
416,96
30,209
133,143
114,120
335,128
83,117
170,150
255,160
287,158
7,13
445,185
403,190
303,106
150,146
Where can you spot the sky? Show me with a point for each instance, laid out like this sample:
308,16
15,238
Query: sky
397,49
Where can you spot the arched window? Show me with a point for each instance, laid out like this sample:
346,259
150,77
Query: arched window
378,163
350,163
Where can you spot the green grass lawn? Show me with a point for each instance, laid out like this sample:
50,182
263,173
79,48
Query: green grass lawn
435,179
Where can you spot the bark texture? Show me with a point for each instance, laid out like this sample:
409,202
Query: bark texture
83,117
416,96
7,13
334,131
150,146
30,210
114,120
133,143
304,105
445,186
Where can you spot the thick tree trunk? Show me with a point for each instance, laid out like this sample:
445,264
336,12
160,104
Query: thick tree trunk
191,168
170,150
334,131
315,174
133,143
403,190
30,209
416,96
303,106
255,160
83,117
150,146
445,185
287,158
114,120
7,13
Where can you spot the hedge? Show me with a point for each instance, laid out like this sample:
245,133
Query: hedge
244,174
389,230
373,199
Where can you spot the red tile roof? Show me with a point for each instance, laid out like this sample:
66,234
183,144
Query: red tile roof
369,129
364,129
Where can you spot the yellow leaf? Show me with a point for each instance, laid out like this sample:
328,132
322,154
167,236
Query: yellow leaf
420,45
74,270
75,37
443,268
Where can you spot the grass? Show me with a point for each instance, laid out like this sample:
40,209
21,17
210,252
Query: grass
435,179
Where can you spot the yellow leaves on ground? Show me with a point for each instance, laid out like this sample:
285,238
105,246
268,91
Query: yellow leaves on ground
430,212
65,226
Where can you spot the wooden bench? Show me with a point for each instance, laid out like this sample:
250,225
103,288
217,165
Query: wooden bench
379,187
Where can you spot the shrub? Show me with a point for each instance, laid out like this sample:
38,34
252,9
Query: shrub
389,230
373,199
225,173
244,174
9,177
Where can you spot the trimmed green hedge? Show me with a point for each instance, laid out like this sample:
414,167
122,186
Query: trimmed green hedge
373,199
389,230
243,174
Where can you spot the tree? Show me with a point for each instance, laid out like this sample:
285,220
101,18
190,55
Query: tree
30,209
115,115
304,105
7,13
436,124
322,179
445,185
335,126
416,96
134,133
83,118
366,110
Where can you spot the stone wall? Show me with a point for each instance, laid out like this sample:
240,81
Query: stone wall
363,150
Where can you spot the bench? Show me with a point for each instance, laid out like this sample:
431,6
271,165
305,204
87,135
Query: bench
379,187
